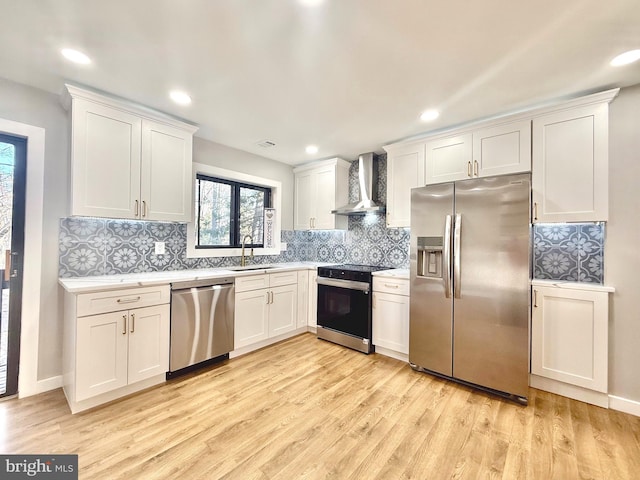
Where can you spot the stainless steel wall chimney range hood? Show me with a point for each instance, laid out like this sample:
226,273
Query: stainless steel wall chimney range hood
368,181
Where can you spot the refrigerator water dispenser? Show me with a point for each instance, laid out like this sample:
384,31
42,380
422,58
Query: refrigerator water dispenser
430,256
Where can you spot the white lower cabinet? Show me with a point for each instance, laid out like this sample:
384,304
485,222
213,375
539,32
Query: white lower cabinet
108,354
303,298
569,340
263,313
121,348
391,316
313,300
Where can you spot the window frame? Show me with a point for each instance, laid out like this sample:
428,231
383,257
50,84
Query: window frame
276,203
234,211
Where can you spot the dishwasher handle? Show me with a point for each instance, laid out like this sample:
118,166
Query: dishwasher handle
210,282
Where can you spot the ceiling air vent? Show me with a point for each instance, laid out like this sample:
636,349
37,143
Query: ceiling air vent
265,144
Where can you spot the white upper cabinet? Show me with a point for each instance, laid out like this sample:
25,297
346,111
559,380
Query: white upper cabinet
320,188
571,163
496,149
405,170
127,162
449,159
502,149
166,172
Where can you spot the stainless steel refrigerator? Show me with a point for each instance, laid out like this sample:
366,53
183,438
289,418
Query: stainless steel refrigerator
470,272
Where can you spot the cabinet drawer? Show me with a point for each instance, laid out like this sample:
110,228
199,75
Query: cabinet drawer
283,278
115,300
397,286
251,282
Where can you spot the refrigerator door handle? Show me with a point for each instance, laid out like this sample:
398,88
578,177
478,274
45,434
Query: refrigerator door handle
456,255
446,275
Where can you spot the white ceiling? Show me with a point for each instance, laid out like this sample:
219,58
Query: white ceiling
346,75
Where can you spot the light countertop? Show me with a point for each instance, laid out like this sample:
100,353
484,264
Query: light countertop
393,273
112,282
593,287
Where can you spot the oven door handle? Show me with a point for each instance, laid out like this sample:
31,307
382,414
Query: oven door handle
349,284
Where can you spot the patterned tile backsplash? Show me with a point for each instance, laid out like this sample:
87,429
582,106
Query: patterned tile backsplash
94,246
572,252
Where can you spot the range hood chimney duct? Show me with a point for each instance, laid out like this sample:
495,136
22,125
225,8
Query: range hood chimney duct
368,183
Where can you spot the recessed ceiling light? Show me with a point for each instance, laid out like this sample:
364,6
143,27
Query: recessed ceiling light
180,97
626,58
75,56
311,149
429,115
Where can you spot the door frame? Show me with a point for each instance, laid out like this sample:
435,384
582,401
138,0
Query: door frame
16,263
32,257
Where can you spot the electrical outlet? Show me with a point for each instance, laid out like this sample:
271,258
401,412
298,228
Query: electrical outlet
283,246
159,248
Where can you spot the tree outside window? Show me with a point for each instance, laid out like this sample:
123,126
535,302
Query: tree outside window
228,211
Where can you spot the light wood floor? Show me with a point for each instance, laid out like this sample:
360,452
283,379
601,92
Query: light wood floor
306,408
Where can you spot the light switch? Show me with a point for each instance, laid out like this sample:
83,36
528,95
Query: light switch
159,248
283,246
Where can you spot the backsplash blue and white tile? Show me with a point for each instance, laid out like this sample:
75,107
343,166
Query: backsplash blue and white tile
569,252
94,246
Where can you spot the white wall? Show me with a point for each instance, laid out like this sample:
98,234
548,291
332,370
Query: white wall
622,254
222,156
41,109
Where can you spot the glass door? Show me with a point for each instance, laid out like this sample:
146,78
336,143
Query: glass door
13,155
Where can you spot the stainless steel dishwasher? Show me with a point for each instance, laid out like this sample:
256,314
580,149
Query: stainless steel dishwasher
201,323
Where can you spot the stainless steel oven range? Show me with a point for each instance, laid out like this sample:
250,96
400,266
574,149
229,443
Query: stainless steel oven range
344,305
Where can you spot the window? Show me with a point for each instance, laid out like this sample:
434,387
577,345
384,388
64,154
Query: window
228,211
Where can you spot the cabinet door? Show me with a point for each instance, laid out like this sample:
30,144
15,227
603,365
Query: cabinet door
303,201
391,321
449,159
313,299
570,165
303,298
166,182
569,336
106,161
251,317
502,149
148,342
101,354
283,309
325,198
405,170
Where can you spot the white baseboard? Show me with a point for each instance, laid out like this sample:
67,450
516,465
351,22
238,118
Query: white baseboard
567,390
47,384
392,353
624,405
265,343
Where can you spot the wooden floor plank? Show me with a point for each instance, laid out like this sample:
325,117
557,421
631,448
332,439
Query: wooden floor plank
306,408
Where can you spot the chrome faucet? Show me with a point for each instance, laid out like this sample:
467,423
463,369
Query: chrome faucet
243,261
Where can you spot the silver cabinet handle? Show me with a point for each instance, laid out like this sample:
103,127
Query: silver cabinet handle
271,292
535,298
535,210
267,297
133,322
468,169
456,255
124,324
389,285
144,208
136,209
475,168
446,275
129,300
